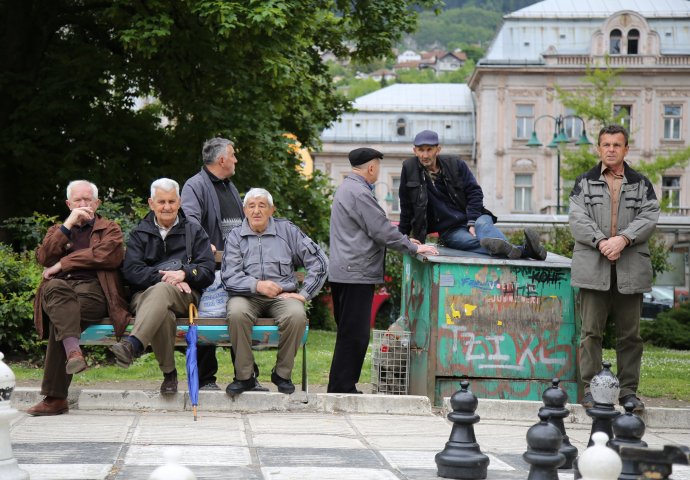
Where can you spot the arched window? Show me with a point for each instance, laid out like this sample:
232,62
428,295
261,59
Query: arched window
633,42
615,42
400,126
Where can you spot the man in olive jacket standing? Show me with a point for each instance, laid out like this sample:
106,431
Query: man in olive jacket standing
360,233
613,212
80,284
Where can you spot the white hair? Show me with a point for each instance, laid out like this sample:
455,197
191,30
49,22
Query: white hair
256,193
165,184
74,183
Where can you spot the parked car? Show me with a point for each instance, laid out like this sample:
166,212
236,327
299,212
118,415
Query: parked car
658,300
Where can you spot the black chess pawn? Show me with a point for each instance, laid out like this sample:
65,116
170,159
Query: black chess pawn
604,387
555,399
628,430
543,442
462,457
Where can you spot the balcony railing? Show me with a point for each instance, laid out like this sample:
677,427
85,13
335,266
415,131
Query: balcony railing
620,60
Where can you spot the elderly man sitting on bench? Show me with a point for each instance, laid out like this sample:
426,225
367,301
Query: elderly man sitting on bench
258,271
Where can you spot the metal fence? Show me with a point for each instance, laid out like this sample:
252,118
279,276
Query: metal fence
390,372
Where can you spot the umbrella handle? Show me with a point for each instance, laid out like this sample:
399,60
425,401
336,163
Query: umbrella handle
193,312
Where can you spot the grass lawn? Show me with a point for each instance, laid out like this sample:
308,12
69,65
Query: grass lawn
665,373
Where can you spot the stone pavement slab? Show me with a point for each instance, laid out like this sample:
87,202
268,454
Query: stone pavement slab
107,445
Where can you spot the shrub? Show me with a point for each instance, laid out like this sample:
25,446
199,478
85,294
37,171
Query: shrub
670,329
19,278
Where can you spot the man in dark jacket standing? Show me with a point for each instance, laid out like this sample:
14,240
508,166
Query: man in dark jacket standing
360,233
79,284
438,193
211,200
613,213
167,263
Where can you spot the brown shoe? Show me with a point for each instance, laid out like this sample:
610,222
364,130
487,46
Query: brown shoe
75,363
169,385
49,406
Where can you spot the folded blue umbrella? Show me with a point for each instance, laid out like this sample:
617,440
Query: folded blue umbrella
192,369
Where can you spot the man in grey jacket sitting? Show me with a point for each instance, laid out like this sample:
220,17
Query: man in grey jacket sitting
258,271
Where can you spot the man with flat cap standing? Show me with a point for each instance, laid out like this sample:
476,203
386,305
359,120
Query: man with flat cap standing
438,193
360,234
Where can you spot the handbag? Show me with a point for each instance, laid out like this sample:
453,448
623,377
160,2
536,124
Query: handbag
173,264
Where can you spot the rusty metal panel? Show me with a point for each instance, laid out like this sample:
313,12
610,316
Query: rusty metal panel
508,326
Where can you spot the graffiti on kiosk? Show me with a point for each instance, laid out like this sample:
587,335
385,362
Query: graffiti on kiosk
527,350
542,276
468,309
479,284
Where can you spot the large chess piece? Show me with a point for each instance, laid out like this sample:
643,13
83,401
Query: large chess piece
599,462
628,430
9,468
462,457
172,470
555,399
656,464
605,388
543,442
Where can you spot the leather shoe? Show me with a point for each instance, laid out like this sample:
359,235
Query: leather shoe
284,385
75,363
240,386
500,248
209,386
587,400
169,385
638,406
533,248
49,406
124,353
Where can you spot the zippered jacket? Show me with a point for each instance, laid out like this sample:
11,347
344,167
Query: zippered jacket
590,223
249,257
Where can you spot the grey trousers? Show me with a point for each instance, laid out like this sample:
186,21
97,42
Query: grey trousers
596,308
292,322
70,305
156,310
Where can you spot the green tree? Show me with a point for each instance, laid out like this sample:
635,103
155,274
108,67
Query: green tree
72,73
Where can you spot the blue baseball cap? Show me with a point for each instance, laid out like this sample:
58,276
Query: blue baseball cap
426,137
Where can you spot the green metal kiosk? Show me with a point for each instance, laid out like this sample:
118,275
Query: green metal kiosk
507,326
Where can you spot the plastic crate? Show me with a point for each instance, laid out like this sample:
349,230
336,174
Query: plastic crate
390,362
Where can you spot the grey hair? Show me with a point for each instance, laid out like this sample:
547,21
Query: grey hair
74,183
256,193
165,184
213,148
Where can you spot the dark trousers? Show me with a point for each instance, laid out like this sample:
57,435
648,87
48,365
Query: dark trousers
207,363
352,311
70,306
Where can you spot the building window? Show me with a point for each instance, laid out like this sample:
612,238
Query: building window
572,125
524,120
523,192
670,191
395,206
400,127
633,42
672,115
615,42
623,115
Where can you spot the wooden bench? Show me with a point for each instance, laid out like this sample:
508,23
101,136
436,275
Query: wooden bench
212,331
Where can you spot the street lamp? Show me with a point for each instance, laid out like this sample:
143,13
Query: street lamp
389,197
559,138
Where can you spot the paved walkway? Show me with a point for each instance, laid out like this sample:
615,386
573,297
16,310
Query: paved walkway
271,442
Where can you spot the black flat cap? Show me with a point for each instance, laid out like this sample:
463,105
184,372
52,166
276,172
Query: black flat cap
358,156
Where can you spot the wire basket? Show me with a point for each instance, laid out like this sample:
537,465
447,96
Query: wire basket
390,362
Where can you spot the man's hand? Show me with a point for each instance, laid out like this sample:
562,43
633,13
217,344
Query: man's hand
427,250
50,272
471,230
173,277
184,287
79,216
612,247
292,295
268,288
415,241
213,248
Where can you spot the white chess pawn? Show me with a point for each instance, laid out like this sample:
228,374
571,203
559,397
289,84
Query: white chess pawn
599,462
172,470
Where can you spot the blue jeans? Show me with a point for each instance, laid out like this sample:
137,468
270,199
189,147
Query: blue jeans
461,239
